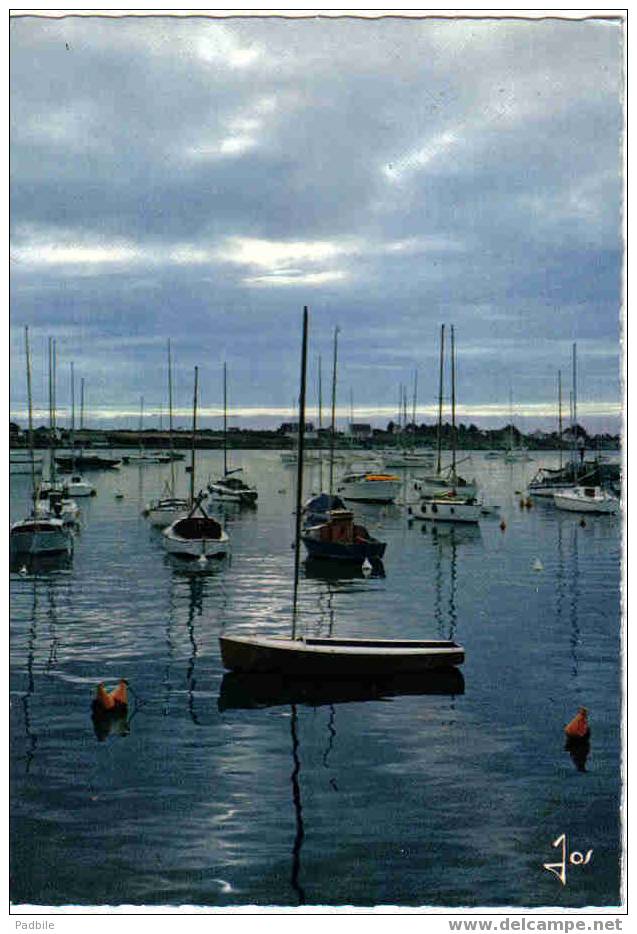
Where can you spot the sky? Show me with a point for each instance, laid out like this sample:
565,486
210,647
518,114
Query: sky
202,179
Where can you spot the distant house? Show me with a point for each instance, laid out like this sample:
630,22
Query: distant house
291,429
360,431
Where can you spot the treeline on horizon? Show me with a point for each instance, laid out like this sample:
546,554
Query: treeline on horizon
468,437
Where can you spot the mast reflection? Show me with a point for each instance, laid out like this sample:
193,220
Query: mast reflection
299,835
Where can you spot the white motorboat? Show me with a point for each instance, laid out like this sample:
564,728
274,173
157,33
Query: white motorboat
586,499
369,487
40,536
446,508
78,486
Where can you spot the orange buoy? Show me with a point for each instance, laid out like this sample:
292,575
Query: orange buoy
529,503
103,700
115,700
503,526
578,728
120,694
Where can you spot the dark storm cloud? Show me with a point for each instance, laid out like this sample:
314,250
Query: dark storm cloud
204,179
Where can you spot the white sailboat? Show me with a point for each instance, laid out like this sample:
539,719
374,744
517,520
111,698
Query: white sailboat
141,458
445,479
299,656
456,504
165,509
51,498
37,535
76,485
230,488
196,535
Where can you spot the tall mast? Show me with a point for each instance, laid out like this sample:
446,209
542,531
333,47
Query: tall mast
413,407
559,411
52,473
82,404
442,355
170,419
194,435
333,424
320,421
299,470
575,403
400,406
30,404
73,415
141,422
454,439
225,419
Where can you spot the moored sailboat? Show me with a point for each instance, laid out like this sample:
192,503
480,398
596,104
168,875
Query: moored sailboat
165,509
299,656
196,535
37,535
229,488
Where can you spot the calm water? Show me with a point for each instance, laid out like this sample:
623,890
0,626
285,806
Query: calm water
448,799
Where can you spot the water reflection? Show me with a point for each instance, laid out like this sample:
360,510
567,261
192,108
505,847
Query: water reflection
249,691
579,750
298,809
329,570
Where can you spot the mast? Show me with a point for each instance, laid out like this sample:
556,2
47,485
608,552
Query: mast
559,411
52,473
413,408
439,439
225,419
73,415
333,424
454,439
82,404
30,405
194,435
170,420
575,404
141,422
299,469
320,422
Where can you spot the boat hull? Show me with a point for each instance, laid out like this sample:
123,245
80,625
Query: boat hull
572,504
196,548
440,511
370,491
28,539
337,657
162,518
87,462
357,552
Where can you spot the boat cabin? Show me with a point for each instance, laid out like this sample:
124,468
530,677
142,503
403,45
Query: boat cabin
197,527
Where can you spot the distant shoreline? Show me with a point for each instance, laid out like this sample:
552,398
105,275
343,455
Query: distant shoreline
468,439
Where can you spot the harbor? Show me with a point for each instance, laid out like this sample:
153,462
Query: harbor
318,459
209,793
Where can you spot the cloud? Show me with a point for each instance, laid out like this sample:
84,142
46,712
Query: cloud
203,179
